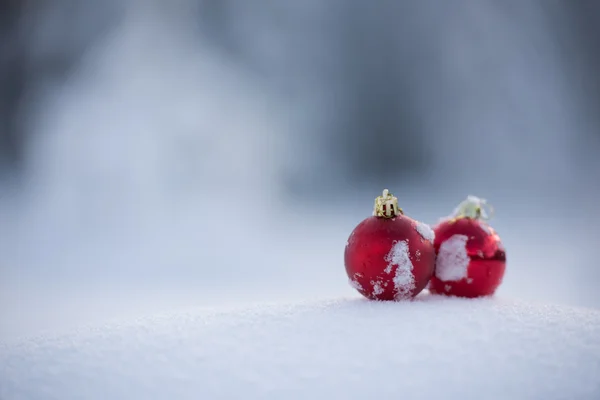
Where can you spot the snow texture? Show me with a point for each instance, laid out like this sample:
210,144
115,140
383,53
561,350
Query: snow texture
404,280
486,228
425,231
377,288
342,349
355,284
452,260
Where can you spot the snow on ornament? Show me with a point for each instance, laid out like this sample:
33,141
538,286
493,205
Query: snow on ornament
389,256
471,259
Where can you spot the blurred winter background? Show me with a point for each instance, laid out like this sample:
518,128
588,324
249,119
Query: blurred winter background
159,154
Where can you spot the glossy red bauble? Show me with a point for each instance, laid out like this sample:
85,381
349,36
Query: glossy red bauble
390,258
471,259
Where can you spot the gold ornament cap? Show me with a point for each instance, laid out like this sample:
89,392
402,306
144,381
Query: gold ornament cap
474,208
386,205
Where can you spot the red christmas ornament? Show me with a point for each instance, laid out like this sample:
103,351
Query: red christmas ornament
470,256
389,256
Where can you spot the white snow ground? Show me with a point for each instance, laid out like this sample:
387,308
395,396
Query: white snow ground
347,348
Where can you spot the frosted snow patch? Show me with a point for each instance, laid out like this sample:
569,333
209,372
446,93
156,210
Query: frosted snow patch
404,280
377,289
486,228
388,269
355,284
425,231
453,260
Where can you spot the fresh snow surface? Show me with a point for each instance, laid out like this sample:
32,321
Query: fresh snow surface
348,348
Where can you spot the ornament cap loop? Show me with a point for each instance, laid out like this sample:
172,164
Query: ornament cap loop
474,208
386,205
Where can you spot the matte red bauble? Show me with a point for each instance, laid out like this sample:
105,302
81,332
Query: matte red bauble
389,256
471,259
